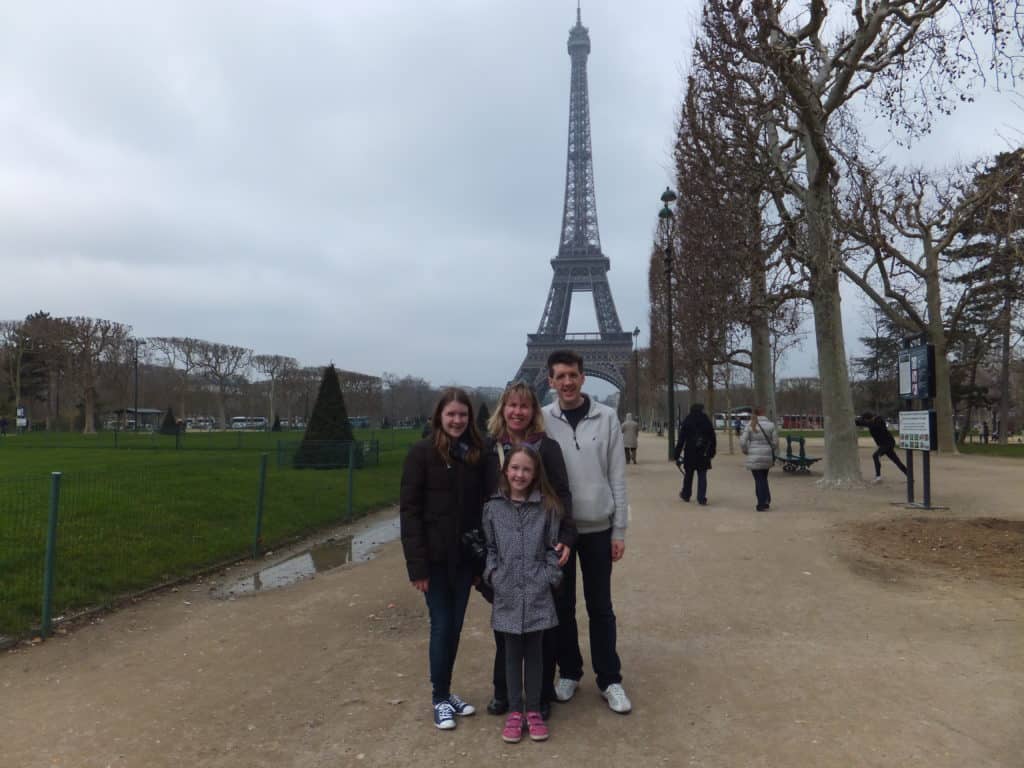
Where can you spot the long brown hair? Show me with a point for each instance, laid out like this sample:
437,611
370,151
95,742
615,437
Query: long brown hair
441,440
549,499
496,425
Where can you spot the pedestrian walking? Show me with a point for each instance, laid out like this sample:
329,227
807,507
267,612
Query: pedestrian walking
885,443
760,443
520,525
444,481
695,448
591,439
630,437
517,421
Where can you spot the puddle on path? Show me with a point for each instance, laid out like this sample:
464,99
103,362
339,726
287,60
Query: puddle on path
356,548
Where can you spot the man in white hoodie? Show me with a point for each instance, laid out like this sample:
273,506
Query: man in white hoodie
590,436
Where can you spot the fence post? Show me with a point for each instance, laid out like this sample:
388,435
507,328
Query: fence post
51,553
351,476
257,541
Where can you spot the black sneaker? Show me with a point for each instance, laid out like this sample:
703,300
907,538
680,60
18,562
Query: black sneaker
497,706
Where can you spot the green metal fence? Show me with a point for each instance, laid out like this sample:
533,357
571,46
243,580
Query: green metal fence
229,440
117,530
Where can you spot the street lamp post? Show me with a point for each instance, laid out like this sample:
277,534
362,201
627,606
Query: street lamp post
137,343
666,217
636,373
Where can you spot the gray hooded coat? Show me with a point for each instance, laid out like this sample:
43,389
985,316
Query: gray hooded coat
522,565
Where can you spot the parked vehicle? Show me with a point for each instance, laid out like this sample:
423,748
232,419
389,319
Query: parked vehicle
249,422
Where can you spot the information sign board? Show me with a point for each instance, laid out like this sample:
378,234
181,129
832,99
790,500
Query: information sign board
20,419
917,372
917,431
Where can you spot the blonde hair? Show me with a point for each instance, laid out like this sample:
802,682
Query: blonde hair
549,499
496,425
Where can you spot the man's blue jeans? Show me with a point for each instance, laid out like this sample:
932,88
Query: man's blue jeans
446,601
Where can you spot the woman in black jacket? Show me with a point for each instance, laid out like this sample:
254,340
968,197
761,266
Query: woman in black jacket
696,448
444,482
518,421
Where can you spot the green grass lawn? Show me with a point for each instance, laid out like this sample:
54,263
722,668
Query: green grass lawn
132,519
1012,451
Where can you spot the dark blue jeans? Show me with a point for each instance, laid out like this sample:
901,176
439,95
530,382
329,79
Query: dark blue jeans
446,602
764,496
594,551
702,483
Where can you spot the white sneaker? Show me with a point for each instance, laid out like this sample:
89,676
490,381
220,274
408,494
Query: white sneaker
877,480
565,688
617,699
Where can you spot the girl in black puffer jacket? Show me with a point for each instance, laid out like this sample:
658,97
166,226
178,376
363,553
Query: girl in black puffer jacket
444,482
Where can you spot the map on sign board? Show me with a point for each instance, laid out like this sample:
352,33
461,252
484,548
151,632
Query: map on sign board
917,431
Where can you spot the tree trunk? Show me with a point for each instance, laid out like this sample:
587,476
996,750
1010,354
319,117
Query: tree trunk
937,336
842,463
89,411
181,396
760,344
222,406
1004,370
709,393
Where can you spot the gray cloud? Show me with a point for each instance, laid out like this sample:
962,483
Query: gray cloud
377,183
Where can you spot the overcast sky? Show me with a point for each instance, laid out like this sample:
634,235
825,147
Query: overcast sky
373,182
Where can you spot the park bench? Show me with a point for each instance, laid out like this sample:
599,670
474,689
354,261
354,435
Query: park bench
797,462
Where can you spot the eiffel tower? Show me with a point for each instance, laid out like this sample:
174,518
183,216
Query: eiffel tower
580,266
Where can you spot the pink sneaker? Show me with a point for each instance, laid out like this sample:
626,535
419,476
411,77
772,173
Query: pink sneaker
538,728
513,731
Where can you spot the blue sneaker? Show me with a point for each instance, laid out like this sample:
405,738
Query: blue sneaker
461,707
444,716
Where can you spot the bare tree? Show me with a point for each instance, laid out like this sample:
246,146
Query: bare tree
93,345
181,355
14,343
905,224
907,55
223,365
275,368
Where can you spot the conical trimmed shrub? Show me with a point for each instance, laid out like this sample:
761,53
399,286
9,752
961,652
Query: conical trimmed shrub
325,444
169,426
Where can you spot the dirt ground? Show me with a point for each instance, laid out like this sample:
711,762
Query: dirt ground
837,629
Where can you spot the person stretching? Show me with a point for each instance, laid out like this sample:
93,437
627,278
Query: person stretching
885,442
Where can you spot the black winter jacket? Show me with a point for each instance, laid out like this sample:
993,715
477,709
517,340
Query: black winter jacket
879,431
697,443
438,502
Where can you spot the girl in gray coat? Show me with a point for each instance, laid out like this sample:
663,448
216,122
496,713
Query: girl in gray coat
520,525
760,443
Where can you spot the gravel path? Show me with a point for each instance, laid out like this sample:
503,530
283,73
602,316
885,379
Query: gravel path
747,639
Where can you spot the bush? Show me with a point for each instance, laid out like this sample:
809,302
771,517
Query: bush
328,426
169,426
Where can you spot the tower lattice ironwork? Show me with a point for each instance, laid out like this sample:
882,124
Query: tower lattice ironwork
580,266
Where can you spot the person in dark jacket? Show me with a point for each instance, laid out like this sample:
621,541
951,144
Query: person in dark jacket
884,441
444,485
695,449
518,421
